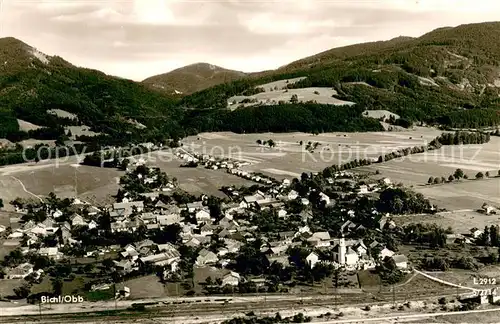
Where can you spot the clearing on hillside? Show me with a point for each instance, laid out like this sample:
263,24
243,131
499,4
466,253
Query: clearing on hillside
378,114
62,113
277,91
80,131
27,126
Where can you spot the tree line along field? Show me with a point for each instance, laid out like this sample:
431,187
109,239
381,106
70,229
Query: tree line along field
421,80
288,156
289,159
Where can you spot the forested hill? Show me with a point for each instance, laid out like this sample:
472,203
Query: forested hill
192,78
449,76
31,83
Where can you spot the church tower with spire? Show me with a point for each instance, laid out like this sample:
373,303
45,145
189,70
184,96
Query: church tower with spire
342,250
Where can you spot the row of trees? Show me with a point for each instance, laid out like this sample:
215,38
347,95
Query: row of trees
298,318
429,234
457,175
490,236
269,142
400,153
444,264
461,138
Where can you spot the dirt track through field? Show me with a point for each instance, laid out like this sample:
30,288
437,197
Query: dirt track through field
25,190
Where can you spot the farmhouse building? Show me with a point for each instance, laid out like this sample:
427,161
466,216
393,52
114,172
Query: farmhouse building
401,261
232,279
205,258
20,272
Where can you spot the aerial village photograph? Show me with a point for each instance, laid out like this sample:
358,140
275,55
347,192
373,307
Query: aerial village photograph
249,162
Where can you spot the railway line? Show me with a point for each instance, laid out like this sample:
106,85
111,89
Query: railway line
203,310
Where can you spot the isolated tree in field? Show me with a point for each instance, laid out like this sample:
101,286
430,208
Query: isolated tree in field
271,143
458,174
1,203
294,99
466,177
123,166
57,285
499,173
107,264
487,174
259,142
431,180
485,238
479,175
302,143
494,235
23,291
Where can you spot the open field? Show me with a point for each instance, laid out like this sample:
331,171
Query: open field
323,96
7,286
69,287
93,184
466,194
280,84
62,113
416,169
145,287
98,185
287,160
377,114
194,180
33,142
466,277
277,91
80,131
461,221
288,156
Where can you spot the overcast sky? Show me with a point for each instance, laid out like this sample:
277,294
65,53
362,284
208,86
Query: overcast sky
139,38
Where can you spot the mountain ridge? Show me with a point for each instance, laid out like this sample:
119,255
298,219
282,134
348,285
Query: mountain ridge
449,76
192,78
33,83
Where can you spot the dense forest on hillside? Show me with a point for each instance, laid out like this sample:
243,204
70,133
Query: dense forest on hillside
307,117
397,91
445,77
30,87
449,77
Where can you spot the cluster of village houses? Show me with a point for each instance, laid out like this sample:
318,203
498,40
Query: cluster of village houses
232,230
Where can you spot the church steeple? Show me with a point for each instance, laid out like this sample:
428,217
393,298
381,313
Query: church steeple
342,250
